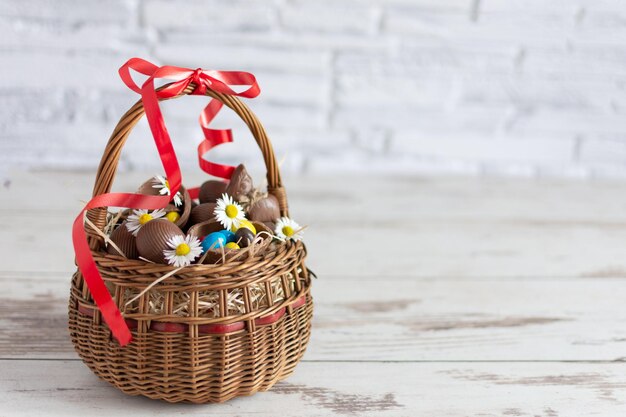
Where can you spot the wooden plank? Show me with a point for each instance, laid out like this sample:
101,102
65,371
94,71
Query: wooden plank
388,319
342,389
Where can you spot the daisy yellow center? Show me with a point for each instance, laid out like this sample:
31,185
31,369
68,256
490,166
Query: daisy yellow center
182,249
172,216
288,231
167,184
144,218
231,211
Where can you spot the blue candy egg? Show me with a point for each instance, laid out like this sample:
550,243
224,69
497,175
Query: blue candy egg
213,240
230,236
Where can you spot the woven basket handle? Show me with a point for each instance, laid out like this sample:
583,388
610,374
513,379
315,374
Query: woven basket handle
110,158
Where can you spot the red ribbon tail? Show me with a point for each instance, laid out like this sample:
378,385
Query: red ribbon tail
213,138
110,313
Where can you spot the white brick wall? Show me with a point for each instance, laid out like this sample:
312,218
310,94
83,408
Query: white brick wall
496,87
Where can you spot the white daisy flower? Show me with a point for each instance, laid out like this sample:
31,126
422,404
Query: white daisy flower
141,217
182,250
163,186
286,228
228,212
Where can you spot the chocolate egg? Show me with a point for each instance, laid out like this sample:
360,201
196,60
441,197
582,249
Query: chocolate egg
240,183
200,230
202,213
184,210
262,227
211,190
147,187
244,237
125,241
270,225
152,239
264,210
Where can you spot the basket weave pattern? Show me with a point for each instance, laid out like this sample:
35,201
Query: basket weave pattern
193,350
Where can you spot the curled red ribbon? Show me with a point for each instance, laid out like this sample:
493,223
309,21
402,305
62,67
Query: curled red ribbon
219,81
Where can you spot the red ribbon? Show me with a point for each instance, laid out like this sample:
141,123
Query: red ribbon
219,81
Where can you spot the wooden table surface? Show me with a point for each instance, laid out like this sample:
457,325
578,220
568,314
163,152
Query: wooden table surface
435,297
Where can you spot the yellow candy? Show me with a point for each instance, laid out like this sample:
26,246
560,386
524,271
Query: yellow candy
245,224
173,216
232,245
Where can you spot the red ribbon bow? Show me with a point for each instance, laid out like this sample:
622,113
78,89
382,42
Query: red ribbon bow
218,81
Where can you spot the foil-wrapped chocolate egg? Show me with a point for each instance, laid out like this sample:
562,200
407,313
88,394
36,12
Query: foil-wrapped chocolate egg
200,230
230,236
240,184
264,210
211,190
213,240
125,241
202,213
152,239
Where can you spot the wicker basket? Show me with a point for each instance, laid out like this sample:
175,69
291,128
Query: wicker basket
195,357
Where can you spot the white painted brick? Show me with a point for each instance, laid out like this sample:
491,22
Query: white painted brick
317,42
467,120
612,172
536,91
355,90
68,11
330,17
498,168
32,106
106,106
419,60
210,15
372,140
539,27
439,5
16,35
482,148
603,153
96,69
539,6
244,58
578,59
309,141
424,21
500,88
570,171
580,123
389,165
54,145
